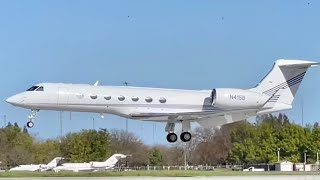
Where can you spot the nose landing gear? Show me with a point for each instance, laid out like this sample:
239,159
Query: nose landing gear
30,124
32,117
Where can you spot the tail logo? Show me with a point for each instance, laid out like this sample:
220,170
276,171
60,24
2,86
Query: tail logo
291,82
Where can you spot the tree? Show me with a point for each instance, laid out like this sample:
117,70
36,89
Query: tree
16,146
155,157
173,155
127,143
210,146
258,143
46,150
25,130
86,146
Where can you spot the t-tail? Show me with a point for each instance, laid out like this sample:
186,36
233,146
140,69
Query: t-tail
112,161
54,163
281,84
109,163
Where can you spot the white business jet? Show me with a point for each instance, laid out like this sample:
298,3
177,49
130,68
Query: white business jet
210,108
92,166
38,167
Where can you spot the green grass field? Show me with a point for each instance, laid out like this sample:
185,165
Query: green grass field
149,173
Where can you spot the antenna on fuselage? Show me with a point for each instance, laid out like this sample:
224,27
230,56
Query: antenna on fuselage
126,83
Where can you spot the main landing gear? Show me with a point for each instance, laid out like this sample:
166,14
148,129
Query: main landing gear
172,137
32,117
185,136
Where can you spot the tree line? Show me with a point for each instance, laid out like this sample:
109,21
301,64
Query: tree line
237,143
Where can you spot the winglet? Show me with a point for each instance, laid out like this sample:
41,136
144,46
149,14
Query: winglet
96,84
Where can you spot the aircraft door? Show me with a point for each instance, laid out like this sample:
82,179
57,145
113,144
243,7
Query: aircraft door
63,96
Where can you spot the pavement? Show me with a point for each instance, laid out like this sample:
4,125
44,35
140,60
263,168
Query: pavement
271,177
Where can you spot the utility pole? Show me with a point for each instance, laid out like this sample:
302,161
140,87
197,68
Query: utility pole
60,124
5,121
317,157
141,128
153,132
185,156
93,123
302,113
278,154
127,126
305,159
126,84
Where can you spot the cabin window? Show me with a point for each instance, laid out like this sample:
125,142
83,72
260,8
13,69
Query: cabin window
33,88
148,99
40,88
94,96
162,100
121,98
135,99
107,98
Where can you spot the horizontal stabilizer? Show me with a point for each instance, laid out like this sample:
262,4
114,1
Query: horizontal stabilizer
296,63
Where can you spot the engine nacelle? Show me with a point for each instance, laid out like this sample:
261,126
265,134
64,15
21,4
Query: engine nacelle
98,164
237,98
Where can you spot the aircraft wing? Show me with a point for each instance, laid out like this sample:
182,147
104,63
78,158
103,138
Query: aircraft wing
167,116
218,121
215,115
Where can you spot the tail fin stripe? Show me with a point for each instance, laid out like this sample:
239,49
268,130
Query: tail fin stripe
299,78
283,87
289,83
274,98
270,92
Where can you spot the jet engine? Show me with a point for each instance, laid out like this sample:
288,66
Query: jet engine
237,98
98,164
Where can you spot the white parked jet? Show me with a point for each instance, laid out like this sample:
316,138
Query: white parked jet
210,108
38,167
92,166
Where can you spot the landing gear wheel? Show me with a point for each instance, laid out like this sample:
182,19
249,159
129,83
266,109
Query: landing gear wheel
172,137
30,124
32,117
185,136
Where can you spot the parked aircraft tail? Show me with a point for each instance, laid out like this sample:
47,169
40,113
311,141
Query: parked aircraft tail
54,162
111,162
114,159
282,83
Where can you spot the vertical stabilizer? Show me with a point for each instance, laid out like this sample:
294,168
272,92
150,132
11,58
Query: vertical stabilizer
283,81
54,162
112,161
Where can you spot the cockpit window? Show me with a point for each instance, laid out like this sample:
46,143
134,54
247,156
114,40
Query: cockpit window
40,88
33,88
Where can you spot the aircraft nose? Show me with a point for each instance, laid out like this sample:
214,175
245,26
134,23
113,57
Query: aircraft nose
10,100
14,100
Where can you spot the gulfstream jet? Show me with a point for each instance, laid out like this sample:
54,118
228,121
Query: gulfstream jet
209,108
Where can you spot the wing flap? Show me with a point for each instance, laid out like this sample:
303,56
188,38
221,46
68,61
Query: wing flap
218,121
